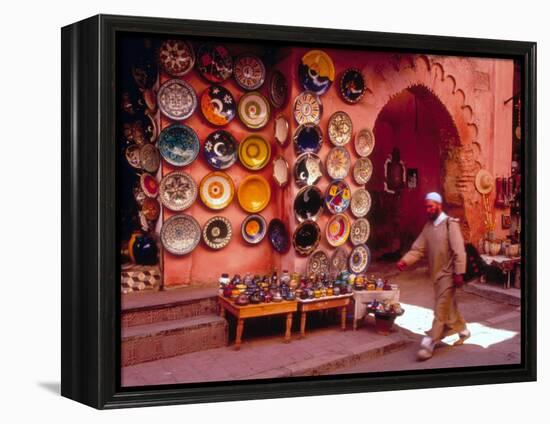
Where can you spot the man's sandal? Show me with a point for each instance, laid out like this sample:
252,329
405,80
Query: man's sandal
462,337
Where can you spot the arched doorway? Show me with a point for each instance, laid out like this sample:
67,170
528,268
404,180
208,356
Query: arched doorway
417,126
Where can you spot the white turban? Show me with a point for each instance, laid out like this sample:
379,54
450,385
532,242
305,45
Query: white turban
434,197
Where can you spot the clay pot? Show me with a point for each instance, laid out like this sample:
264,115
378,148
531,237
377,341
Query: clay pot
494,247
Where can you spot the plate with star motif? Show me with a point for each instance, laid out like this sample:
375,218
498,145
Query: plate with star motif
340,128
176,99
307,108
180,234
218,105
176,57
178,191
249,71
214,63
220,149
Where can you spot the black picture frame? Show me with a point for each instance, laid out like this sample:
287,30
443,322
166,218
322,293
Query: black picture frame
90,280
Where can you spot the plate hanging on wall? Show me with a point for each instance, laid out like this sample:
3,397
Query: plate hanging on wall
281,129
306,237
278,89
316,71
364,142
254,152
337,196
214,63
352,85
280,171
362,171
307,108
149,185
340,128
149,158
218,105
338,163
308,138
317,263
337,230
278,236
308,204
339,260
220,149
176,99
359,259
150,209
176,57
308,169
180,234
254,110
178,144
253,229
254,193
217,190
360,231
360,203
249,71
178,191
217,232
132,155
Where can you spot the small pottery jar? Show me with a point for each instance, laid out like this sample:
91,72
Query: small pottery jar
235,293
330,291
242,300
336,291
494,247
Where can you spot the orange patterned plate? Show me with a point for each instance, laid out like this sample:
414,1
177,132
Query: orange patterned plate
217,190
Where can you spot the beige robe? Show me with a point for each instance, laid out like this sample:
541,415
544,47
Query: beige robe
446,256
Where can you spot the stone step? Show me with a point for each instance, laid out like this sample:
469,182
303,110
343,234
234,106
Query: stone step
166,339
161,306
511,296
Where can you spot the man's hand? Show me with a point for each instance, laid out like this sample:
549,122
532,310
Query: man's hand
401,265
458,280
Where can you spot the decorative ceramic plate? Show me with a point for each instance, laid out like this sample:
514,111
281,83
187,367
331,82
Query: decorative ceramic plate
359,259
217,190
337,196
317,263
362,170
177,99
254,193
278,89
253,229
316,71
178,145
254,110
178,191
249,72
176,57
149,185
138,193
254,152
280,171
217,232
132,155
150,209
281,129
220,149
338,163
337,230
360,202
339,260
180,234
308,204
214,63
140,131
307,108
149,158
218,105
340,128
308,138
352,85
360,231
278,236
306,237
364,142
308,169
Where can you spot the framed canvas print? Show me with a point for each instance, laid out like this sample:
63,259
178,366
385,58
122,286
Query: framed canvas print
255,211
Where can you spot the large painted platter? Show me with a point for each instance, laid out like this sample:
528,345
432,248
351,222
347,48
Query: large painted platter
217,232
308,204
253,228
249,71
316,71
254,193
176,57
306,237
218,105
176,99
337,196
216,190
220,149
180,234
214,63
178,144
178,191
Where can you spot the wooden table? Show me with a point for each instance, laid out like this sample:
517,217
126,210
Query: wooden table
327,302
258,310
505,264
362,297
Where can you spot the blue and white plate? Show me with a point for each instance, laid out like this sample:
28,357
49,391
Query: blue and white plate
359,259
178,145
220,149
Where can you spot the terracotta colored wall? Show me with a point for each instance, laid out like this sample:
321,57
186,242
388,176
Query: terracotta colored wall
472,90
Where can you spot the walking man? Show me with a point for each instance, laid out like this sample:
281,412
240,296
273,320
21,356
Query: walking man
442,243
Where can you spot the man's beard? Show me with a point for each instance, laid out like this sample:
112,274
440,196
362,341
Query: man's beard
433,217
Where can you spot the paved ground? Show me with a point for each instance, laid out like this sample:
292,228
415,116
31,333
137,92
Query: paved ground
327,350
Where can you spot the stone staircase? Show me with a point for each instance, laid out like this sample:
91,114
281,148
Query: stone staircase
163,324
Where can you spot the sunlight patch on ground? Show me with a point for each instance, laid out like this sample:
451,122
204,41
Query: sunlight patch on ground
418,319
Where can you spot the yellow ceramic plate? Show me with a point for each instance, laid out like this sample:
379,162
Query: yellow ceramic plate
217,190
254,152
254,193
